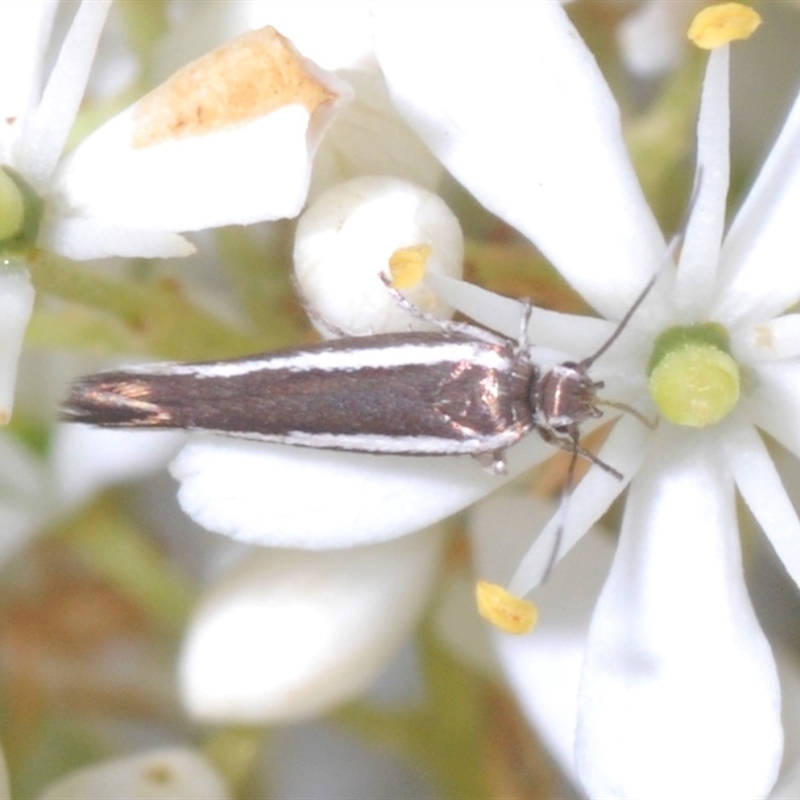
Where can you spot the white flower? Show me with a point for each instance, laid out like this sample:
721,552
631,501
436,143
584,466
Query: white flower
545,669
228,139
679,695
199,151
288,634
366,227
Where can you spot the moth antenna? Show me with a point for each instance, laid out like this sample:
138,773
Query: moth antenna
623,323
573,448
674,244
575,451
563,508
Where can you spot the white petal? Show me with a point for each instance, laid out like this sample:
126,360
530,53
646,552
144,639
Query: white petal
762,248
169,774
86,238
762,489
700,250
24,31
85,460
544,667
512,102
47,128
773,404
624,450
773,340
16,305
228,139
369,137
344,242
252,172
289,634
679,694
294,497
568,333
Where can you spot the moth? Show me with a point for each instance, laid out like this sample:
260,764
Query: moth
458,390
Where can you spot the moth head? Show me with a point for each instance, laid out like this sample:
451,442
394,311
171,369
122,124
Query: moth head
565,395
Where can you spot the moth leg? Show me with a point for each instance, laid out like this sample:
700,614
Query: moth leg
445,325
563,506
523,344
569,443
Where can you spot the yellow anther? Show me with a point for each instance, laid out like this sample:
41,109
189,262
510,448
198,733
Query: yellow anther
408,264
721,24
507,612
696,385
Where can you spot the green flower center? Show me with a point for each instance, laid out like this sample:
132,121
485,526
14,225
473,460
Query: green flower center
694,380
20,212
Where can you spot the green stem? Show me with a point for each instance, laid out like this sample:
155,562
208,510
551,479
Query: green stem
154,318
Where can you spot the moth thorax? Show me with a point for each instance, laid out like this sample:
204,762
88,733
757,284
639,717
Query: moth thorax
564,395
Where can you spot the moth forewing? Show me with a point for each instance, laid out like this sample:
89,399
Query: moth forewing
415,393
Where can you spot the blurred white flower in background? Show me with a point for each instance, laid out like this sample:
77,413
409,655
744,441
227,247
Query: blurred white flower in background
168,774
289,634
653,37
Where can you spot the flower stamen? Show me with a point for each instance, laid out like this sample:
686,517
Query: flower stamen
694,381
721,24
407,265
504,610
